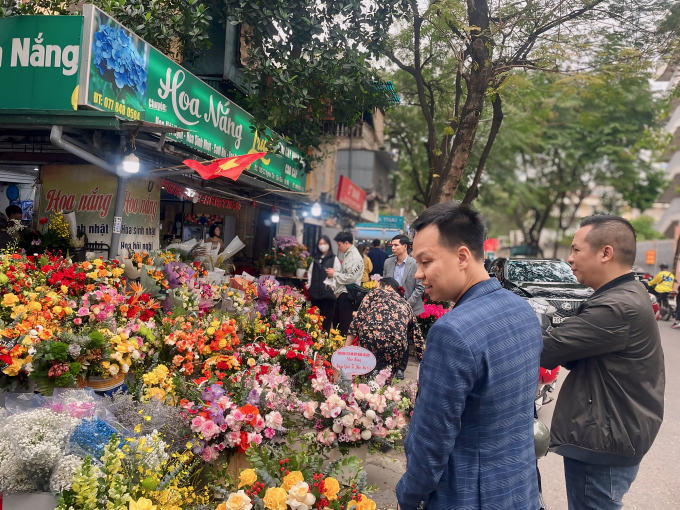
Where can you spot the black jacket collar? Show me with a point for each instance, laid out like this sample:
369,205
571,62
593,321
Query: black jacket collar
628,277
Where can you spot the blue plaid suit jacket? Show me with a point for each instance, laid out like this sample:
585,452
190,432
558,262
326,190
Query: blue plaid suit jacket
470,444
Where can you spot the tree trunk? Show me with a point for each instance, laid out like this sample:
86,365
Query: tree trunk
478,79
496,121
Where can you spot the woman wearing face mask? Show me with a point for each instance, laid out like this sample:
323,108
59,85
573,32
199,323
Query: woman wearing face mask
320,294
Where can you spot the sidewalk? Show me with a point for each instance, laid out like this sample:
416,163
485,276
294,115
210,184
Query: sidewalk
385,469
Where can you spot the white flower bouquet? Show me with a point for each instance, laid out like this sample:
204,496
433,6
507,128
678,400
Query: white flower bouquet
38,439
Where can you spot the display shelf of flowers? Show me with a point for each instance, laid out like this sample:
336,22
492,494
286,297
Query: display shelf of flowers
292,257
203,219
214,386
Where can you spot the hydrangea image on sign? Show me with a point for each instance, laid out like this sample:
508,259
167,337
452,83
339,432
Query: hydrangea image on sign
113,49
119,66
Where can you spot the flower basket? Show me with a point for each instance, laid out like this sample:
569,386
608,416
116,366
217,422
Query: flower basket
266,270
276,271
288,274
101,384
300,273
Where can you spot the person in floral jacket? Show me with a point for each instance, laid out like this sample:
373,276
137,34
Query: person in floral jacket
384,325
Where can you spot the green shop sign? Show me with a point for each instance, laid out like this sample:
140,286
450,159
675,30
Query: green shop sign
387,222
39,60
124,74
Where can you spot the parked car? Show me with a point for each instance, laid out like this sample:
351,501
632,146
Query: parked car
547,283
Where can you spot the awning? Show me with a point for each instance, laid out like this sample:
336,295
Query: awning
24,118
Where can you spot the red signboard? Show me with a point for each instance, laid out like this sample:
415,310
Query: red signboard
350,194
184,194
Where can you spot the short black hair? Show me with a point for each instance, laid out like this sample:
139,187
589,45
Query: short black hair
344,237
458,225
13,209
403,240
663,266
376,243
390,282
614,231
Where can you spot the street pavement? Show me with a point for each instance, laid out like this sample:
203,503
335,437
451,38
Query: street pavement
657,486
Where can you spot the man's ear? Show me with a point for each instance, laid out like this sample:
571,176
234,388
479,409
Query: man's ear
464,257
607,253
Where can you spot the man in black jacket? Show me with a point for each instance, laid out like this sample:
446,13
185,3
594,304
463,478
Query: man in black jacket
610,406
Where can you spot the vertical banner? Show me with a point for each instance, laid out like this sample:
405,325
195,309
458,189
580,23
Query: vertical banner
91,193
122,73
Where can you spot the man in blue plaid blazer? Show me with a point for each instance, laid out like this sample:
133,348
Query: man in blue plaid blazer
470,444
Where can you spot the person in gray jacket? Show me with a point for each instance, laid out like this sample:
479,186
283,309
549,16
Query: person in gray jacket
351,271
610,406
403,268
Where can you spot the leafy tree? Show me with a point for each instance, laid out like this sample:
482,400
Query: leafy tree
489,41
567,138
644,228
309,62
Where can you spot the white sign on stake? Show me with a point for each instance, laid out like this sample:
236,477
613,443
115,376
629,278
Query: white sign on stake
353,360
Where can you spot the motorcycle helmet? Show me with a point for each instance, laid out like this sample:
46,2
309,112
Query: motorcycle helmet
541,439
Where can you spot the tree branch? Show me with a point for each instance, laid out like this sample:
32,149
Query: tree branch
523,50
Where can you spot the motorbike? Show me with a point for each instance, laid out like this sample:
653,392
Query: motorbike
662,303
546,384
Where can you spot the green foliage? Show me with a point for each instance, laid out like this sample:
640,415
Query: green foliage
644,228
308,62
563,138
35,7
56,351
175,27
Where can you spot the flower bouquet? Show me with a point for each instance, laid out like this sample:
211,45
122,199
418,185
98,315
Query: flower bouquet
228,414
134,263
64,361
37,438
293,476
138,475
154,281
178,274
348,414
431,314
100,272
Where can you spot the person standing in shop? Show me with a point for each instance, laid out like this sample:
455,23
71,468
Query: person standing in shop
403,268
350,273
320,294
214,237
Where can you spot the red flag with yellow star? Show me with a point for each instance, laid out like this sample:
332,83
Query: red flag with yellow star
227,167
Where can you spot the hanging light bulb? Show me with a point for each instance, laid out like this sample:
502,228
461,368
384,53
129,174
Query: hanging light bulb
275,215
316,209
131,163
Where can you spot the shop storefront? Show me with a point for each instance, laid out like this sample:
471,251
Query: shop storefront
76,137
